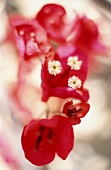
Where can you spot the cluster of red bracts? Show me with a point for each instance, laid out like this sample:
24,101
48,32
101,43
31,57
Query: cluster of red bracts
65,48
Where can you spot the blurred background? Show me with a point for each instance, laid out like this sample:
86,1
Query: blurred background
92,148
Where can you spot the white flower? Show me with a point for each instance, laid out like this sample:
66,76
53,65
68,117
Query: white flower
21,33
74,63
32,34
74,82
54,67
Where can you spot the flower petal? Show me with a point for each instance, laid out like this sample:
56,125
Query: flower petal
39,157
75,111
84,108
32,48
66,137
64,92
41,139
51,17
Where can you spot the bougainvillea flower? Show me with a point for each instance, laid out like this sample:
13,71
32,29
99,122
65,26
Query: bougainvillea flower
87,36
52,17
30,37
64,75
75,111
42,139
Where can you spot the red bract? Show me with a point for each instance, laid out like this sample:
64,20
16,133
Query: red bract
87,36
64,75
41,139
52,17
31,39
75,111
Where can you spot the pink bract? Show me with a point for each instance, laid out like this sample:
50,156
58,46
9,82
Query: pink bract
30,37
87,36
57,86
52,17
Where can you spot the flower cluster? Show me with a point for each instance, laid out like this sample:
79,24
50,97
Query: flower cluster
64,49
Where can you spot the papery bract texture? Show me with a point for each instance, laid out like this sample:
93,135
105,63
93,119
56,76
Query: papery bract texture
75,111
30,37
64,75
87,36
52,17
42,139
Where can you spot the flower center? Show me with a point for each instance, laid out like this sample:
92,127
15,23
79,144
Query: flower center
45,133
54,67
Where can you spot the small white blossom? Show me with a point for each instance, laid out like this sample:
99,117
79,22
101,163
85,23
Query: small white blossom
54,67
21,32
74,63
74,82
32,34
